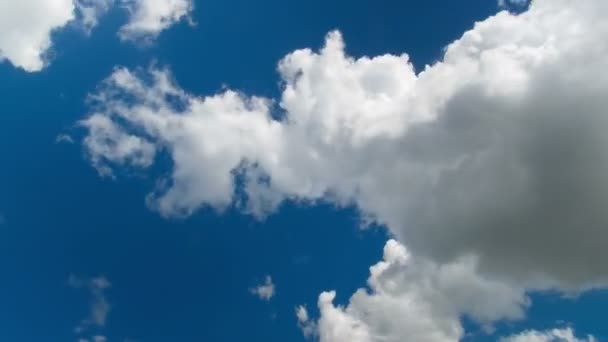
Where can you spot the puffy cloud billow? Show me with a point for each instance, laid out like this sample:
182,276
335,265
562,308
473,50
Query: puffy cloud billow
148,18
413,299
495,154
26,26
25,29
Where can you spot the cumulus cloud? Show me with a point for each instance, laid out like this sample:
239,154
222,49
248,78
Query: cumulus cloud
264,291
497,151
150,17
27,26
412,299
555,335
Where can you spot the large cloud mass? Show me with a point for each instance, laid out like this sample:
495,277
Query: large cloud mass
496,152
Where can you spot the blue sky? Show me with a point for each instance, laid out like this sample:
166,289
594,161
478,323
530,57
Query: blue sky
188,277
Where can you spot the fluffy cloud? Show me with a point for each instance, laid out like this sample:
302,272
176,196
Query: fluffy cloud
264,291
108,141
305,323
412,299
150,17
26,26
496,152
89,12
556,335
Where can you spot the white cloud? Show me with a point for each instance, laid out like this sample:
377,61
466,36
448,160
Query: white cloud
413,299
497,151
26,26
90,11
64,138
150,17
516,3
305,323
264,291
490,165
109,141
555,335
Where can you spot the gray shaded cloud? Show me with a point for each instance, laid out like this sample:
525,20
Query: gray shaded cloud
497,151
413,299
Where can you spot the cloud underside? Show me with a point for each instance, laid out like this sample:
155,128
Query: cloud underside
413,299
410,298
27,26
492,161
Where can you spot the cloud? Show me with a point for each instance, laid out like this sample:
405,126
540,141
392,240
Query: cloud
100,307
305,323
556,335
92,328
150,17
412,299
64,138
94,339
108,141
26,26
264,291
90,11
515,3
496,152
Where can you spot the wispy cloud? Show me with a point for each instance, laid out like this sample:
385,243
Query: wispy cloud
264,291
99,308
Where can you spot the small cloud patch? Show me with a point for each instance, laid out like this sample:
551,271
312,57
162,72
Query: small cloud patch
265,291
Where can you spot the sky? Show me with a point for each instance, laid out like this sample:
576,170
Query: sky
332,171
